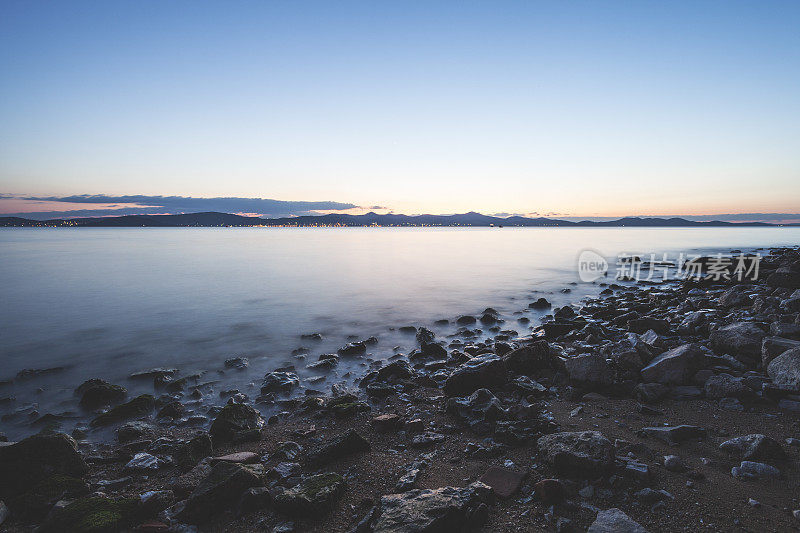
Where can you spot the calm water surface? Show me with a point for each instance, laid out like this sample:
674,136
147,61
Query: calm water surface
108,302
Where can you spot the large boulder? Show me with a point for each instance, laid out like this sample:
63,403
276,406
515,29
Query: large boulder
772,347
221,488
614,521
784,370
735,297
582,453
96,392
589,370
138,407
484,371
742,340
313,496
787,331
430,510
30,461
529,358
755,447
676,366
234,420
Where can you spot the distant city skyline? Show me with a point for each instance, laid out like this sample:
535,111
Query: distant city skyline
579,109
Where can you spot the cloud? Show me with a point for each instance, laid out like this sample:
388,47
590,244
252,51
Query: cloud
43,207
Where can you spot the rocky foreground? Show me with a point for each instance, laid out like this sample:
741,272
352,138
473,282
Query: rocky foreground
668,407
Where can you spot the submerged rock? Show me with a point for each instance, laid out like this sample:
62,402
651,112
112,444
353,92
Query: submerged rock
96,392
138,407
279,382
233,420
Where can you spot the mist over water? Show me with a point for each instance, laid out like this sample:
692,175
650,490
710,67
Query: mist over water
108,302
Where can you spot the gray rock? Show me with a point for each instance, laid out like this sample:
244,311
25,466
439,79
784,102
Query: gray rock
676,366
143,462
233,420
479,411
754,470
584,453
787,331
443,509
529,359
96,392
338,447
740,339
221,488
279,382
772,347
484,371
673,463
755,447
726,386
314,495
784,370
675,434
590,370
614,521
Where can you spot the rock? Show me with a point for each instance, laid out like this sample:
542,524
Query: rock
754,470
673,463
540,304
93,514
787,331
755,447
583,453
529,358
772,347
564,313
675,434
287,451
409,477
194,450
550,491
444,509
784,370
676,366
279,382
650,392
387,423
284,471
96,392
131,431
479,411
425,336
220,489
138,407
735,297
742,340
314,495
649,496
590,370
3,512
392,373
466,320
726,386
614,521
530,387
641,325
433,350
426,439
238,457
143,462
352,349
153,502
233,420
504,482
338,447
237,363
784,278
171,410
483,371
254,499
32,460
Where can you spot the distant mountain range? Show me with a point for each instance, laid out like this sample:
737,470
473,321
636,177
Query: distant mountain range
471,219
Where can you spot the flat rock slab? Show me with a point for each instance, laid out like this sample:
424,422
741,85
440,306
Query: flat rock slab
503,481
614,521
239,457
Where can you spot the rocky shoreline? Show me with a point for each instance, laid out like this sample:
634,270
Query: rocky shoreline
655,407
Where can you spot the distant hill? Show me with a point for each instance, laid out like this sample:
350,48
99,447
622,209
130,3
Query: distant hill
470,219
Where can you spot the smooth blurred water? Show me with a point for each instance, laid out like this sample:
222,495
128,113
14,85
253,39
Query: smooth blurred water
108,302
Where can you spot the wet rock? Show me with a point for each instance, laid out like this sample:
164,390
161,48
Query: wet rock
143,462
614,521
233,420
284,470
784,370
287,451
352,349
314,495
483,371
394,372
742,340
787,331
155,374
528,359
583,453
171,410
443,509
641,325
346,444
426,439
735,297
466,320
31,373
30,461
676,366
96,392
540,304
755,447
92,514
425,336
221,488
504,482
131,431
138,407
589,370
237,363
279,382
387,423
530,387
772,347
784,278
675,434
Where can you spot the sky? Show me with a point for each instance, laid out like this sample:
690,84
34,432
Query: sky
548,108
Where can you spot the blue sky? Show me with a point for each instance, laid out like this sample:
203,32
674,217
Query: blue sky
579,108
